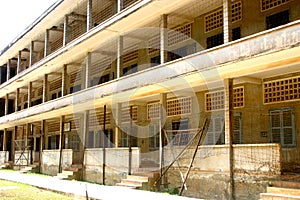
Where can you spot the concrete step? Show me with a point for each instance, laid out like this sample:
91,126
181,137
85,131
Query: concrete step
67,172
139,178
271,196
287,191
126,185
136,183
287,184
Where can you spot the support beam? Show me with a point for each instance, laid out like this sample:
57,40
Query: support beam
6,104
88,64
129,144
89,15
66,22
19,62
227,20
29,94
31,61
64,85
163,39
13,138
120,5
61,142
4,142
47,42
118,120
42,144
119,56
84,137
103,139
228,84
45,88
162,117
8,69
17,99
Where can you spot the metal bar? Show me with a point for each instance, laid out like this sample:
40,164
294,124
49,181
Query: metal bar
89,15
42,144
62,119
193,158
103,146
129,144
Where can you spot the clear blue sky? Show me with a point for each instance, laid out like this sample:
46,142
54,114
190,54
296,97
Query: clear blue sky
16,15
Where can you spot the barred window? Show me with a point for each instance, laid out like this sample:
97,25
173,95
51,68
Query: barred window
269,4
282,127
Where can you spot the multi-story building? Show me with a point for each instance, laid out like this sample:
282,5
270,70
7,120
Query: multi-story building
115,87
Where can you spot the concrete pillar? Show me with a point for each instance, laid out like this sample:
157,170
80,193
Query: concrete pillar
119,56
85,77
47,42
118,120
8,69
45,88
13,138
66,22
19,67
120,5
162,116
17,99
6,104
29,94
4,140
227,20
31,54
64,85
42,143
61,141
163,39
228,84
89,15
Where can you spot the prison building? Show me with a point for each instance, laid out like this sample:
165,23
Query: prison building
202,95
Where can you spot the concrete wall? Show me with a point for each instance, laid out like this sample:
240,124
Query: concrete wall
22,158
116,164
4,155
50,160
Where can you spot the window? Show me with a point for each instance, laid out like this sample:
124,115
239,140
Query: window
130,69
282,127
237,128
53,142
125,137
236,33
214,40
154,136
74,141
178,53
215,133
277,19
179,133
155,61
75,88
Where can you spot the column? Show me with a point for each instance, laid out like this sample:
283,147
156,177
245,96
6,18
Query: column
6,104
46,49
119,56
120,5
163,38
17,99
13,138
66,21
89,15
29,94
118,120
64,89
85,77
4,140
31,54
61,142
45,88
8,70
228,84
19,62
227,20
162,116
42,143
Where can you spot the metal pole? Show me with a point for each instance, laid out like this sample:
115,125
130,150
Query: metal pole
42,144
62,119
129,144
103,145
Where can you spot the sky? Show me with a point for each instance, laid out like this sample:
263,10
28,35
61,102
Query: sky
17,15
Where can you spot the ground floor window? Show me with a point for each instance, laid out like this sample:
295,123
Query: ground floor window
178,133
282,127
126,132
74,141
154,136
53,142
95,138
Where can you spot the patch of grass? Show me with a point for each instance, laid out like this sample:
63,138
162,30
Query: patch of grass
11,190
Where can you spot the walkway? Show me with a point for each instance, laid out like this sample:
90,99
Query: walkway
94,191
